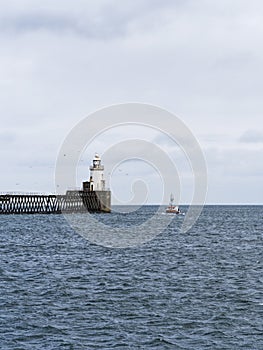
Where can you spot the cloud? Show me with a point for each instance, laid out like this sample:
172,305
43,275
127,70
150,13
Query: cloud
7,138
37,21
234,175
62,60
101,20
60,25
236,163
252,136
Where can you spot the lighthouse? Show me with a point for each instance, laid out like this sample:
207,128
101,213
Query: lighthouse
95,196
96,181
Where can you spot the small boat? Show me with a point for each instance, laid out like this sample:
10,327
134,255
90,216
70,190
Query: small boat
174,209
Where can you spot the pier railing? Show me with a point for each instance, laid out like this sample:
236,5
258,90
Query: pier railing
53,204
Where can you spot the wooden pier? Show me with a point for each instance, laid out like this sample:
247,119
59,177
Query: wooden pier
72,201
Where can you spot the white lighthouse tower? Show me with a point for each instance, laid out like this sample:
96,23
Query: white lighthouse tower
97,181
94,195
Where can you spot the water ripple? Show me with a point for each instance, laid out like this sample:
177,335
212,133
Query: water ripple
200,290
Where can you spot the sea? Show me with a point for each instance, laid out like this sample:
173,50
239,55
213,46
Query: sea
200,289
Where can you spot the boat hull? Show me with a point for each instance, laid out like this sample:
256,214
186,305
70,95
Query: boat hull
172,211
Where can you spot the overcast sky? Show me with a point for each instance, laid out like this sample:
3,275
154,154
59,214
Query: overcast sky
201,60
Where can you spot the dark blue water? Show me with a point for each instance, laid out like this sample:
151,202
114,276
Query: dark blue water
197,290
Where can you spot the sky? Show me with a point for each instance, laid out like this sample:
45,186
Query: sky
201,60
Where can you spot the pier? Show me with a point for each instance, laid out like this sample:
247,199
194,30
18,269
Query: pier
73,201
92,198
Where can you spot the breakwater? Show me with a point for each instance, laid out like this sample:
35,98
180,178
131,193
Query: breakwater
72,201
